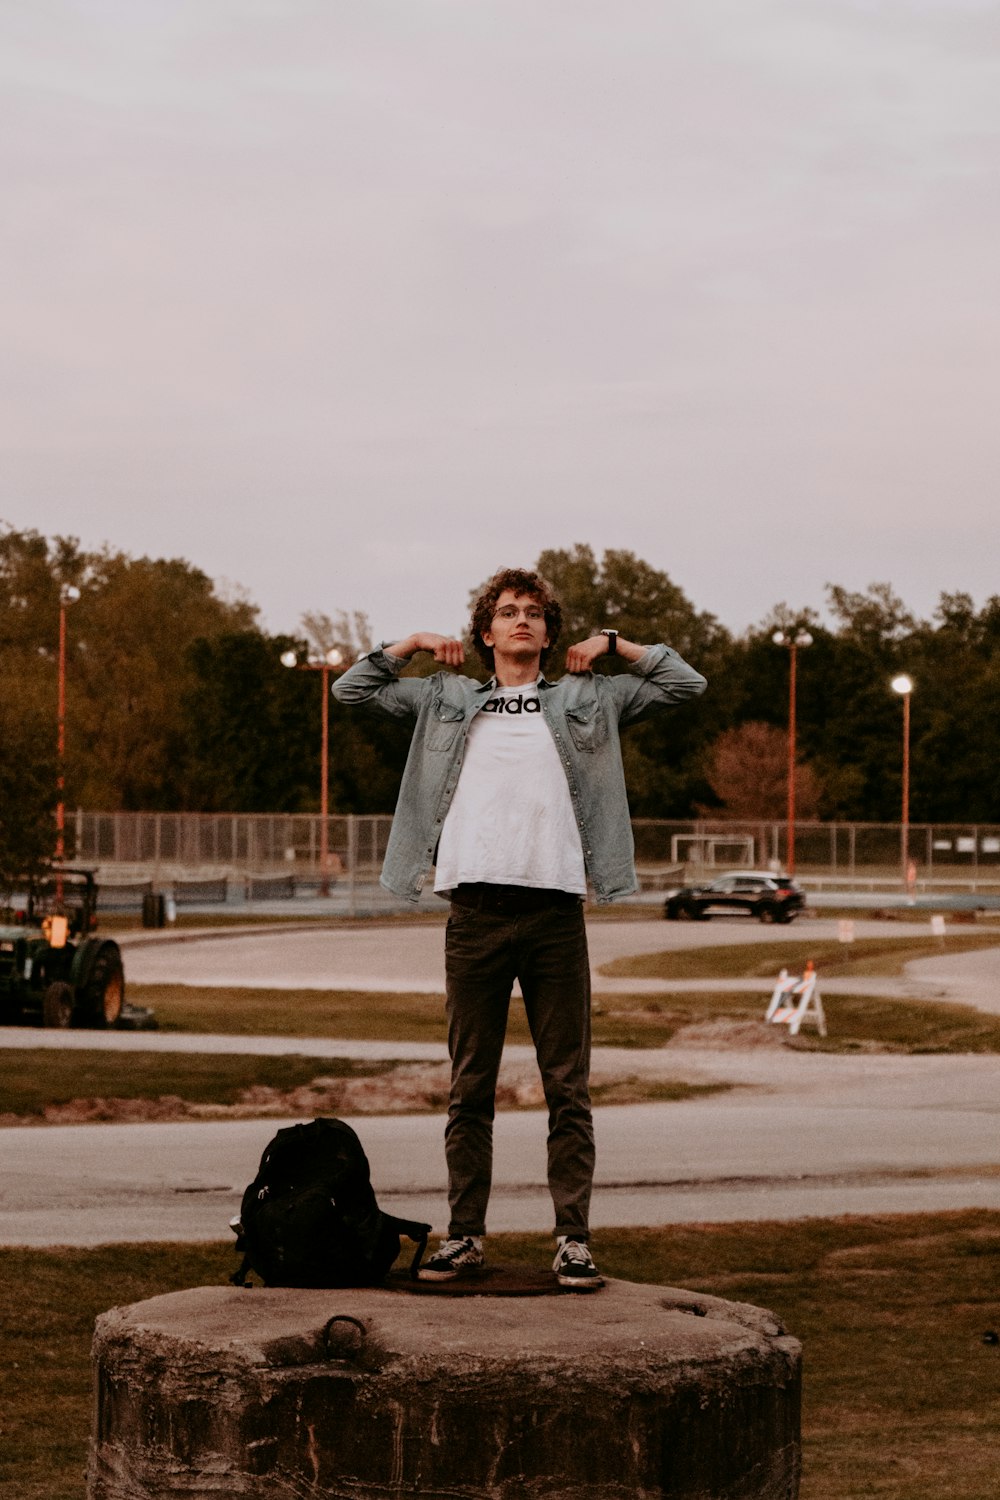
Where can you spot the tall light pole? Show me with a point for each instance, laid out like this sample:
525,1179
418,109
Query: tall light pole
792,643
903,685
67,595
325,664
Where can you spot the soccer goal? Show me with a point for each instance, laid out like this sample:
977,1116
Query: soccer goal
712,849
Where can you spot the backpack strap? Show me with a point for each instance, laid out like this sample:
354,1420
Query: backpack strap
240,1278
416,1231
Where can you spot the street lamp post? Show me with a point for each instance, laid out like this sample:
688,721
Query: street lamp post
792,643
325,664
903,685
67,595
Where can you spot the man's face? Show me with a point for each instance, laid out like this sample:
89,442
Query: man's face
518,626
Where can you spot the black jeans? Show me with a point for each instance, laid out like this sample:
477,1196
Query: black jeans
546,951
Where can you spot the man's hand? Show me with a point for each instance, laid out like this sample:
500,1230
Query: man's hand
444,648
581,657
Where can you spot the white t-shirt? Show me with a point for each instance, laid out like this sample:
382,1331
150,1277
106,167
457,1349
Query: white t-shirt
511,819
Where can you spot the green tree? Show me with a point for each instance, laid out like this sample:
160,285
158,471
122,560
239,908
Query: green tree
251,727
955,712
27,797
253,736
126,659
850,721
665,756
131,669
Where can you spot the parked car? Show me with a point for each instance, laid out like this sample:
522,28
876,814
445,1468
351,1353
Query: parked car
53,968
757,893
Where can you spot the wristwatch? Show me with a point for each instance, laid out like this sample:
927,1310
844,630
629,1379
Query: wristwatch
612,636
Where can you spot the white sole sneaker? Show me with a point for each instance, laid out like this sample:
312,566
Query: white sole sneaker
454,1259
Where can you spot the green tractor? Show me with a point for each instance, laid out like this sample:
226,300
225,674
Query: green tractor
53,968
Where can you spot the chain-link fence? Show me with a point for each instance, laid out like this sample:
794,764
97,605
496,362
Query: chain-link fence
283,847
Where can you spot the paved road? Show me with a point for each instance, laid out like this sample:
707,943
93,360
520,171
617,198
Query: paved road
411,958
803,1134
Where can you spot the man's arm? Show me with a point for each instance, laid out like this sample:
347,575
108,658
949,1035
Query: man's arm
374,682
581,657
443,647
658,675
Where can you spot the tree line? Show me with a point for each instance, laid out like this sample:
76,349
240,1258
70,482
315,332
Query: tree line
176,698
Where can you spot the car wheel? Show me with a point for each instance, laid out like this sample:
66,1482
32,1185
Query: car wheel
104,990
767,913
57,1005
784,917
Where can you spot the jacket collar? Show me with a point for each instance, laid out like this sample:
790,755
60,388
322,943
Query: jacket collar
540,681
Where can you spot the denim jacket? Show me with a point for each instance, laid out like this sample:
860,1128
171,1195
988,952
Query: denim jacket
584,711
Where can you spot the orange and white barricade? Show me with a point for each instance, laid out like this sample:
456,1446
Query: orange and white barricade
796,1001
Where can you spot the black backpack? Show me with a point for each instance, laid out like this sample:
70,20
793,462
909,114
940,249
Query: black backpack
310,1218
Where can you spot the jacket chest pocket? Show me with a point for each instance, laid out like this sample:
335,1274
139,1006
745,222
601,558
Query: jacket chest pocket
587,726
443,724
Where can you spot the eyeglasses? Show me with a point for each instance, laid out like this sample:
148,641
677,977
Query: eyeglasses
511,612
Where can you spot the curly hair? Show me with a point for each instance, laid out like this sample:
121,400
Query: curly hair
519,581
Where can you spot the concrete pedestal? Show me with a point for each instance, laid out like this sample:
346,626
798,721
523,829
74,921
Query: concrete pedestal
635,1391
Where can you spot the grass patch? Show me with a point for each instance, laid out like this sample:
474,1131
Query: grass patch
860,1022
855,1021
33,1078
865,956
48,1302
902,1397
350,1015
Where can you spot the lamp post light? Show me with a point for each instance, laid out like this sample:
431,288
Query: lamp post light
792,643
903,685
327,663
67,595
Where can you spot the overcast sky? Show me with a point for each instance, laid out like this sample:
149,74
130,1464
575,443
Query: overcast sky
352,301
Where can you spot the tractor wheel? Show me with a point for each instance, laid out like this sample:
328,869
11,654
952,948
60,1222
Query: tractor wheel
57,1005
104,987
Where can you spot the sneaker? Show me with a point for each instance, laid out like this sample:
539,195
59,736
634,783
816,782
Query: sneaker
574,1266
454,1258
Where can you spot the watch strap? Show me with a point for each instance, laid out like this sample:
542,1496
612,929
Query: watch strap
612,636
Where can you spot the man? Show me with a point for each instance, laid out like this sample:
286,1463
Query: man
515,788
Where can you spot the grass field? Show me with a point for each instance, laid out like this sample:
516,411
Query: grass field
901,1393
32,1078
855,1021
866,956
